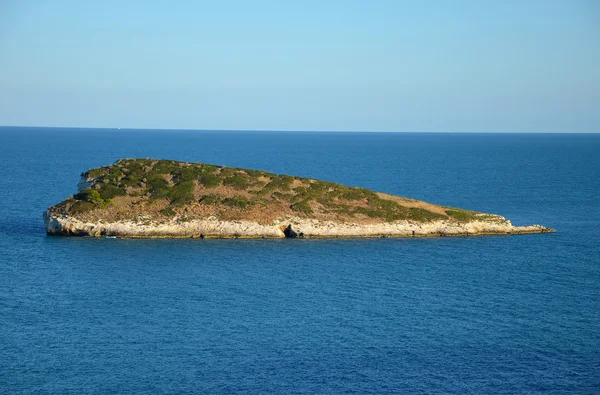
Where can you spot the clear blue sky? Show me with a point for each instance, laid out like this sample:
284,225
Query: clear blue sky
386,65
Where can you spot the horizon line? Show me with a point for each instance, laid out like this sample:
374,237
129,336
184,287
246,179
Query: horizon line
278,130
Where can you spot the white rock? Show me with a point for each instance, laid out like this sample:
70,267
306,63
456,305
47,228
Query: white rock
213,227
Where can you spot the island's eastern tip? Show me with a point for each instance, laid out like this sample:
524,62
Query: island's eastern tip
150,198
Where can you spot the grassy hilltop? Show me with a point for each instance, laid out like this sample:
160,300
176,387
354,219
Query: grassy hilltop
162,189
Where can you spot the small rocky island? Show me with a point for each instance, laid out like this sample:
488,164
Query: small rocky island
149,198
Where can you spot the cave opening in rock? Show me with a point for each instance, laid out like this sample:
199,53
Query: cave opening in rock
289,232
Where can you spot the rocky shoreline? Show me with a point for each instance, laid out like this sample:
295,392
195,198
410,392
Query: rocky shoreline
291,227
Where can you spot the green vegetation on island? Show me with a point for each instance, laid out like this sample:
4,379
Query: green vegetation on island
166,188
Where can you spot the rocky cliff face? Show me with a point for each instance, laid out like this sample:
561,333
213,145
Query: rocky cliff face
151,198
287,227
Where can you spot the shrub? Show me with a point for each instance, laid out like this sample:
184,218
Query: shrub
302,189
168,212
158,186
384,209
240,202
281,182
163,167
208,168
131,181
226,172
184,174
353,194
181,193
420,214
95,173
109,191
90,195
461,215
237,181
320,187
210,180
302,207
87,200
114,175
134,170
255,173
80,207
282,196
210,199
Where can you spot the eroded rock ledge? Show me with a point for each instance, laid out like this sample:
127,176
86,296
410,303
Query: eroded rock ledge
148,198
289,227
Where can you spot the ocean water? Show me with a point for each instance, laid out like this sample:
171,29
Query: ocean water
494,314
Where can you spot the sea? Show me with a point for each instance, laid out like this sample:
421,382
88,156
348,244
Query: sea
461,315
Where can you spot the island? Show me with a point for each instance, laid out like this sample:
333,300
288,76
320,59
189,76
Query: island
151,198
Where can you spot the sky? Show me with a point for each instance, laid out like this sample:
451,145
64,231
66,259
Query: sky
385,65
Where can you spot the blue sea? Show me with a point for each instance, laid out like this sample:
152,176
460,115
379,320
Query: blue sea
468,315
